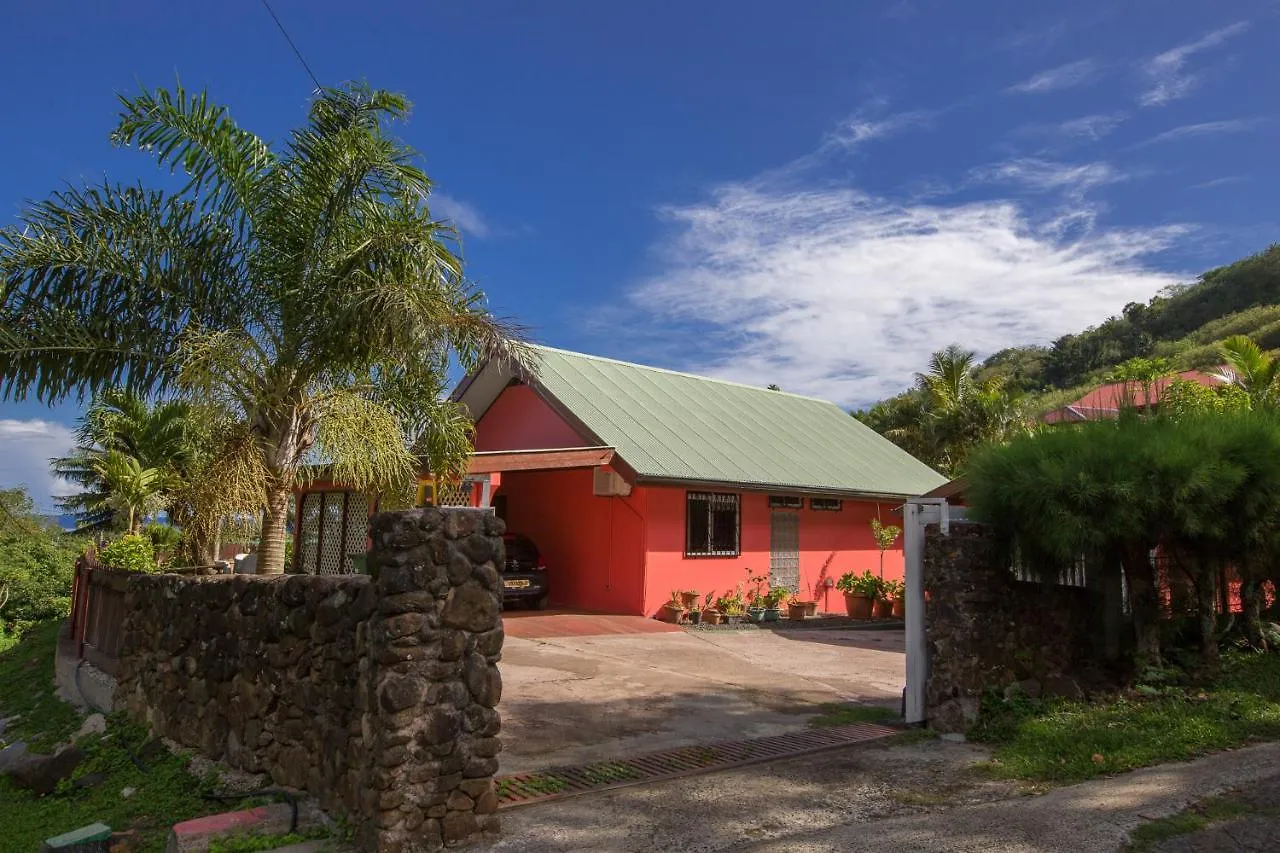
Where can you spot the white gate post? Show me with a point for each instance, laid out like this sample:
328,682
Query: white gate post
917,656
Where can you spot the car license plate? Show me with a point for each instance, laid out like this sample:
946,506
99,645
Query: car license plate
516,584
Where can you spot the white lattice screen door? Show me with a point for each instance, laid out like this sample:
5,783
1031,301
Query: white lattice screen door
784,549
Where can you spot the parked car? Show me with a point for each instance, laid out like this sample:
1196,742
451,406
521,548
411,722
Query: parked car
524,575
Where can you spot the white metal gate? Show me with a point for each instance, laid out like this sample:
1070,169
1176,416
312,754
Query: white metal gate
784,550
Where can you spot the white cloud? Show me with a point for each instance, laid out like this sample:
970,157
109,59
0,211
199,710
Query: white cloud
1090,127
1073,179
1167,78
858,128
1206,128
1219,182
28,447
1063,77
465,216
842,294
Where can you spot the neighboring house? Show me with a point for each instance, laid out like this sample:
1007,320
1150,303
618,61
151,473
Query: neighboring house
635,481
1107,401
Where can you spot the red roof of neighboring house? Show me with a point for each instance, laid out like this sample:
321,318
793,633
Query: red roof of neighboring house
1106,402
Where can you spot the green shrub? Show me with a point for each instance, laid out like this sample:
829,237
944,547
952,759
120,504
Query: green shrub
131,553
37,563
865,584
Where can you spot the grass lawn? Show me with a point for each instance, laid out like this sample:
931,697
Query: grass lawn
163,791
841,714
1072,741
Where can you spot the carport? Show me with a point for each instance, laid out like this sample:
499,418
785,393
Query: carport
593,548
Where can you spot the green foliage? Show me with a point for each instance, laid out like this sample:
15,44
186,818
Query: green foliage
952,410
36,565
885,534
305,291
36,714
1204,488
1184,399
1056,741
164,537
254,842
132,552
865,584
1199,816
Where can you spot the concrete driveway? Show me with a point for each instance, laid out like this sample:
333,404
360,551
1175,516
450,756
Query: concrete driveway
574,699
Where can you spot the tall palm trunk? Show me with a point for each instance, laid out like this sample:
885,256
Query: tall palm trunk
289,434
271,546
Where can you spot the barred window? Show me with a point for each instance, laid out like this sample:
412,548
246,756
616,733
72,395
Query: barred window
826,504
785,502
711,525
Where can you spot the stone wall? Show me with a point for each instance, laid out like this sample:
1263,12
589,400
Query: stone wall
985,629
374,693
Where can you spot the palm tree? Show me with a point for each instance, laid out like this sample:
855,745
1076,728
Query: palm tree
130,489
1250,369
163,436
303,288
962,412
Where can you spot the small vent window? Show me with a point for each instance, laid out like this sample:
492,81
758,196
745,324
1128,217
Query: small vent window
826,504
711,525
785,502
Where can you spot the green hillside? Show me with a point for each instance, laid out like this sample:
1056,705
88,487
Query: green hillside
1183,325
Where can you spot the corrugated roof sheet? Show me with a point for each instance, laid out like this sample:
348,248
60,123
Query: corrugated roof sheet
669,425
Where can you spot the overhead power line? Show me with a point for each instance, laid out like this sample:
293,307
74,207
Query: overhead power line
296,52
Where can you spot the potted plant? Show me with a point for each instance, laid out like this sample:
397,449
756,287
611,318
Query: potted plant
799,608
756,596
689,599
860,593
710,616
883,608
885,535
771,600
896,592
673,611
731,607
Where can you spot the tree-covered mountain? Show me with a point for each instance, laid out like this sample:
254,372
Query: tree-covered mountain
1183,324
1181,328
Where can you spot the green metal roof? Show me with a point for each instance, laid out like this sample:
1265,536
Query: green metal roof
676,426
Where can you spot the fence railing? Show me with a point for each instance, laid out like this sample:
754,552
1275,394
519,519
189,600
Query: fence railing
97,613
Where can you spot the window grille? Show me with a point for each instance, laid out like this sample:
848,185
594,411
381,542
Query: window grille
712,525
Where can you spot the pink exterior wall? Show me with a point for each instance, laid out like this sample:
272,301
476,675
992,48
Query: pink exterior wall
626,555
520,420
593,546
831,543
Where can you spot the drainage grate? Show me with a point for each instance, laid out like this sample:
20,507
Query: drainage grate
559,782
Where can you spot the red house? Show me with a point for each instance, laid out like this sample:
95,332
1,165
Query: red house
1106,401
636,481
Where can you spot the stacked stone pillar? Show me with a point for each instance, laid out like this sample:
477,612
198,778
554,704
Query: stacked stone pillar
430,724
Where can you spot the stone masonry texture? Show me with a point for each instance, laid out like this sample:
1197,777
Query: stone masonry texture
986,630
377,694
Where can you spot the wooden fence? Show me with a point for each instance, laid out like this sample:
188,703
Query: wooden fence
97,613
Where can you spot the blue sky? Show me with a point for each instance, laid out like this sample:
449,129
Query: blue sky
816,197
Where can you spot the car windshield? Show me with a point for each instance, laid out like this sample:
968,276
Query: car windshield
521,549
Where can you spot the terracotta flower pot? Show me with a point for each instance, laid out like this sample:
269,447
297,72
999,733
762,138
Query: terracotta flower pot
899,608
883,608
670,613
711,617
689,599
857,606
